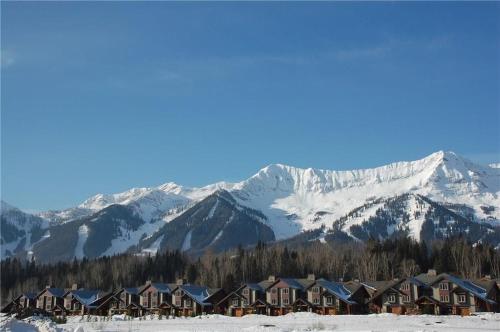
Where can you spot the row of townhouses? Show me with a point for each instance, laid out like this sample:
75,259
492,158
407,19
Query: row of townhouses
427,293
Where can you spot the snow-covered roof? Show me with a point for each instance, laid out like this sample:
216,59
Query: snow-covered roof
57,292
255,286
336,289
85,296
293,283
471,287
198,293
162,288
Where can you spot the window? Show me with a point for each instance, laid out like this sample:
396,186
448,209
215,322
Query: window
391,298
178,293
316,301
285,290
329,300
274,290
286,301
406,298
405,286
77,306
274,302
245,291
444,298
188,302
245,302
315,289
178,302
235,302
462,298
443,286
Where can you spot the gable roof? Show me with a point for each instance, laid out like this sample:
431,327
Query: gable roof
105,299
255,286
132,290
231,295
57,292
85,296
200,294
160,287
29,295
337,289
418,282
265,284
293,283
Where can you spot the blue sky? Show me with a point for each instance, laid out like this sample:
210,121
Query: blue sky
102,97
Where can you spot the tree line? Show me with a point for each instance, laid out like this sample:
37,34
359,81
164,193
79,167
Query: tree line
373,260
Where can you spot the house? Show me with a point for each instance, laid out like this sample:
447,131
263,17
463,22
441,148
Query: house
126,300
330,298
359,294
247,299
51,300
22,302
286,295
396,296
492,292
83,301
157,298
193,300
452,295
386,297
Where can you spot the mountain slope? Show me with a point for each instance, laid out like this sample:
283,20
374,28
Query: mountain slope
297,199
19,231
279,202
217,222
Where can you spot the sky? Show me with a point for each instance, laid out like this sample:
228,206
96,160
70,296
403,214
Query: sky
103,97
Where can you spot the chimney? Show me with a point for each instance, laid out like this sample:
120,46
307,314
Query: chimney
48,286
311,277
341,279
180,282
74,287
272,278
487,277
431,272
148,282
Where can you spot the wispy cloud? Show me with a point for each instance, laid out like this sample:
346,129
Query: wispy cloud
359,53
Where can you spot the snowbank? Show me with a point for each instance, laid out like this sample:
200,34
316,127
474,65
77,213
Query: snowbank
293,322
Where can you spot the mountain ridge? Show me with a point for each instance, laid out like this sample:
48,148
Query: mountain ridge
293,200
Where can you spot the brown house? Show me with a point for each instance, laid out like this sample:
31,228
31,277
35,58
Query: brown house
331,298
22,302
126,300
448,294
83,301
191,300
247,299
386,297
286,295
51,300
157,298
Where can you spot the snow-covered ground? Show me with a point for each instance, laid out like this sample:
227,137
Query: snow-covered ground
290,322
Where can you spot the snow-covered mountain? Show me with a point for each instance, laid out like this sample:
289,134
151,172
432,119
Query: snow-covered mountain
20,231
286,201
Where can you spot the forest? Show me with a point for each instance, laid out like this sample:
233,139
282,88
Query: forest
374,260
